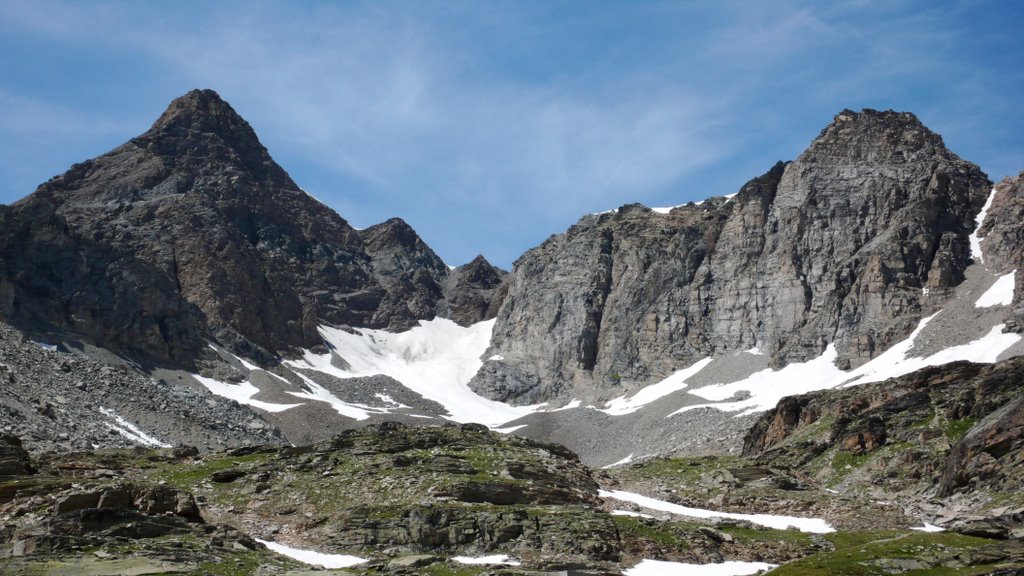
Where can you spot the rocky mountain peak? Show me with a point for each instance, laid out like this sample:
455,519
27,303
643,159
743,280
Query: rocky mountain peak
481,273
875,136
201,109
191,232
836,249
202,126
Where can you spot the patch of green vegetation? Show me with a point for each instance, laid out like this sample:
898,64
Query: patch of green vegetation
687,470
234,564
812,431
956,429
925,422
185,475
863,553
745,534
843,463
438,569
666,534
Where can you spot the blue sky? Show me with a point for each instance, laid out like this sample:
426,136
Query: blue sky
490,125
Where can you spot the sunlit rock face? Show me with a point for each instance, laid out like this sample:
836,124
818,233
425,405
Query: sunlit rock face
839,246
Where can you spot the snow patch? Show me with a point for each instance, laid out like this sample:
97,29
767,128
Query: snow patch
318,393
389,400
929,528
663,568
435,359
622,462
815,525
978,221
630,514
496,559
677,381
769,386
755,351
496,358
510,429
242,393
130,431
574,403
313,558
1000,294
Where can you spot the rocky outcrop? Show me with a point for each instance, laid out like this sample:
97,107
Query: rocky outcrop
953,428
834,248
382,492
990,455
474,292
14,460
191,232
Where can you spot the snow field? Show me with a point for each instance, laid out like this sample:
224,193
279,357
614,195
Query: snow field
435,359
769,386
1000,294
814,525
313,558
662,568
496,559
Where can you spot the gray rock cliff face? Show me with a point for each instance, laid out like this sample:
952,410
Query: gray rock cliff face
834,248
1002,235
191,232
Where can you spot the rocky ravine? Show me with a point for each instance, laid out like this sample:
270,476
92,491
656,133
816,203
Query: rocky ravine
191,232
837,247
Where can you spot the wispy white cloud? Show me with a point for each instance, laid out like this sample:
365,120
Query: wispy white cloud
488,125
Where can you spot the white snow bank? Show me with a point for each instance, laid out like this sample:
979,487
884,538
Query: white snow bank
814,525
509,429
630,514
662,568
241,393
677,381
929,528
502,559
130,431
978,221
313,558
1000,294
622,462
435,359
318,393
769,386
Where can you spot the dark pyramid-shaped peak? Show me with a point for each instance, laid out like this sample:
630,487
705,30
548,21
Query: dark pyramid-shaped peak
875,136
202,110
480,273
395,246
202,125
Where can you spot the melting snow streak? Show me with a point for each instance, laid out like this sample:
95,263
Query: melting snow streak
814,525
130,431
